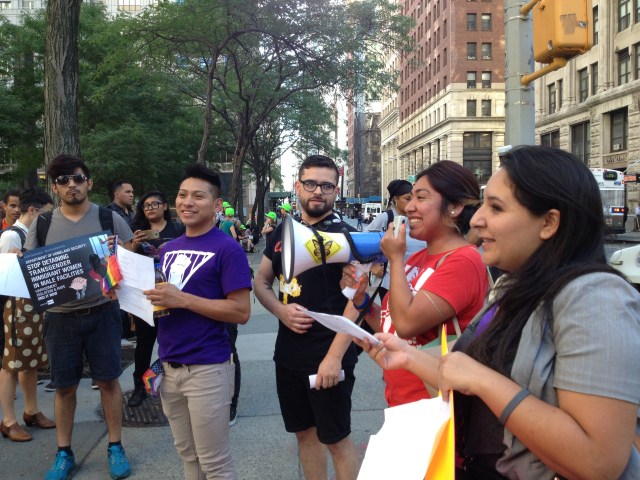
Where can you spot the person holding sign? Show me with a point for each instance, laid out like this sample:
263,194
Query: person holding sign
24,345
549,362
89,326
209,281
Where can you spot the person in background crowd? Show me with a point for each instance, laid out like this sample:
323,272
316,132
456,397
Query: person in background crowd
11,208
89,328
227,225
209,281
122,204
319,417
269,225
153,228
550,348
399,198
24,345
123,197
285,209
246,240
445,283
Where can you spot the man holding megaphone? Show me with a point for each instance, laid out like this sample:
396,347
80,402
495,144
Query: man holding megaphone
320,416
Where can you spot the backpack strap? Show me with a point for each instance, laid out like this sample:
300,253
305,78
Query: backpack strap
106,219
42,227
44,222
389,218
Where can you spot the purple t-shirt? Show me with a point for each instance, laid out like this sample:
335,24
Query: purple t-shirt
210,266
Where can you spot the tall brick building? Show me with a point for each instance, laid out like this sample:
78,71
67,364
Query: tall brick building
450,98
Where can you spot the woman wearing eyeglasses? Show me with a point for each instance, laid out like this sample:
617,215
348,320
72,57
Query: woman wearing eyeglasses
152,227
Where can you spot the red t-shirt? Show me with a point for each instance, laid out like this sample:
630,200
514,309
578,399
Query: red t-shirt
461,279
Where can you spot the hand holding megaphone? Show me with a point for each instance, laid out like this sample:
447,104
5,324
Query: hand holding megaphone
394,244
361,269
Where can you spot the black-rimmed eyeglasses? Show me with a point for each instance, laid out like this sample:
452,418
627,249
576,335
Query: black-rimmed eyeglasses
151,206
77,178
311,185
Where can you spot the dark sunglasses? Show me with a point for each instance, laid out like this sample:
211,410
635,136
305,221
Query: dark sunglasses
77,178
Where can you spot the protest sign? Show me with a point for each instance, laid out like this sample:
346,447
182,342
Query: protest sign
64,272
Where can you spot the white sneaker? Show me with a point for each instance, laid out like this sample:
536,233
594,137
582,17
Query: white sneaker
124,343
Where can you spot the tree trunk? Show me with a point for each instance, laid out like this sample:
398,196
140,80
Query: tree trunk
61,132
204,144
236,164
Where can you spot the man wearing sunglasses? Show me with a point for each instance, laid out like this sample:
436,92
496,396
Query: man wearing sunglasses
319,417
89,327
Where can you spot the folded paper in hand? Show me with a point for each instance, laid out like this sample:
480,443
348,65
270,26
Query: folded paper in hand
341,324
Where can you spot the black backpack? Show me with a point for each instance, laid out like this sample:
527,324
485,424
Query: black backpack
389,219
44,222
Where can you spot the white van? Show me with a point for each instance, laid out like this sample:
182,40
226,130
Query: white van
370,211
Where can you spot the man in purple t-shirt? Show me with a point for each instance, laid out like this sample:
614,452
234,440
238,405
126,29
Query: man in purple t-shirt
208,284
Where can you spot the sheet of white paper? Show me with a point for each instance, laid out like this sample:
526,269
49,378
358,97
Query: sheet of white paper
312,379
11,279
402,448
137,276
341,324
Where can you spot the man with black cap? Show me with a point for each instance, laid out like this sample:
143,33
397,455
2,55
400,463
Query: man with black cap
399,197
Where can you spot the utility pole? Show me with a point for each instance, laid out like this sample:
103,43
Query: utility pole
519,99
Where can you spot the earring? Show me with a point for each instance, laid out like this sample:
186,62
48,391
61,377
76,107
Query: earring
453,212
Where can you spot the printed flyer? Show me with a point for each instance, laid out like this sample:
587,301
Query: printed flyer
68,271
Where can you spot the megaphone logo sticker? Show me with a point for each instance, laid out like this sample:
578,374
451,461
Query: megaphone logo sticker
313,246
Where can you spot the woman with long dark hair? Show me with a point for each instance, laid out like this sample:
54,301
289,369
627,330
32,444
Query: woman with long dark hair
152,227
444,283
548,378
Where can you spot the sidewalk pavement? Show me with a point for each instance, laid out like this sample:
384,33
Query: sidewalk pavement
261,447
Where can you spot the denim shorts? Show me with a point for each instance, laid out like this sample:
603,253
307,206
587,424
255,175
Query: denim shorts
95,335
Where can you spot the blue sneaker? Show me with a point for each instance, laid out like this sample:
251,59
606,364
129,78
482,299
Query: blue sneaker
62,467
118,464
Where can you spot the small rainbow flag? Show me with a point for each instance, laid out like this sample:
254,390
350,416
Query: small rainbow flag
153,377
113,275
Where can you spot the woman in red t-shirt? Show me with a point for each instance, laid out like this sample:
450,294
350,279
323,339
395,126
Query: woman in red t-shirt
444,283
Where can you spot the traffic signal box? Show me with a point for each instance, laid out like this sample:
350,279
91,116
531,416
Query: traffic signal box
561,28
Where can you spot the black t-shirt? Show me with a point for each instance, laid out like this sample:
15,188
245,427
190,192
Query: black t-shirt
151,248
317,289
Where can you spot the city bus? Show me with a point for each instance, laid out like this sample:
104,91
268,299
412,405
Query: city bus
613,196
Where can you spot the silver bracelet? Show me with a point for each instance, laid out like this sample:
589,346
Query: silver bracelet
511,406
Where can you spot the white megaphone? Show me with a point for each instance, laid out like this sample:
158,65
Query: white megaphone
303,247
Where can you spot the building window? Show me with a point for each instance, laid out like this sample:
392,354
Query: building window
471,79
560,94
444,29
472,21
486,108
551,89
472,51
624,67
5,5
596,22
486,51
637,12
471,108
486,79
581,141
551,139
129,5
619,130
594,78
624,14
583,84
486,22
637,59
476,154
